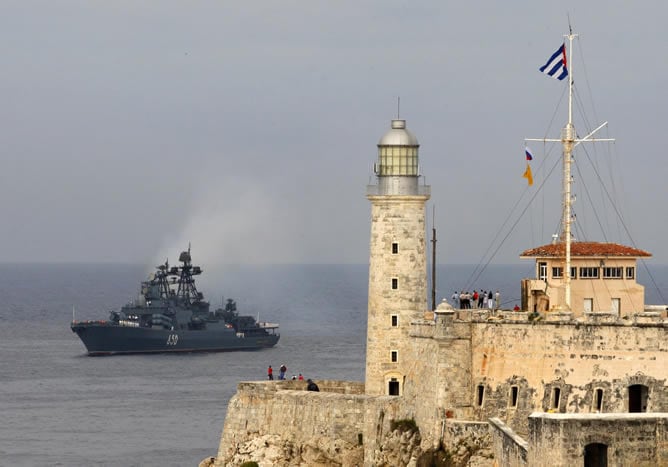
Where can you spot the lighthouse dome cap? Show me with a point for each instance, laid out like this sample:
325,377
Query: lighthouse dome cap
398,135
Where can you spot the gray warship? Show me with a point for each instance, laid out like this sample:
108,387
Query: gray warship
171,315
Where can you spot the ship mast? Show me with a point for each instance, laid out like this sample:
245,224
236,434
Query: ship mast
568,142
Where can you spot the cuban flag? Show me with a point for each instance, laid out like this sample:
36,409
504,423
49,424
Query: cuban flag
556,64
527,152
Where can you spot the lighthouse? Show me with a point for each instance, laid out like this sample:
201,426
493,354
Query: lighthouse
397,261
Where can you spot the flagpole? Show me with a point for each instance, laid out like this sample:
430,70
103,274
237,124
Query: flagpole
567,140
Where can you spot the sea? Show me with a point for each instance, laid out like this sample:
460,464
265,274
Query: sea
60,407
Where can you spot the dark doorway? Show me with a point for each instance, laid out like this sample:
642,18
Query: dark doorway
638,398
393,387
596,455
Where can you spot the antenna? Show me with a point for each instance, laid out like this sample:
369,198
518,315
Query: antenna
398,107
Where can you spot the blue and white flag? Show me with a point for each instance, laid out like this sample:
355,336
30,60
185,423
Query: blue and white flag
556,64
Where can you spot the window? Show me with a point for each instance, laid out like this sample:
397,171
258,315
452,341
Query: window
514,390
394,356
588,273
395,248
574,273
395,283
481,395
556,396
630,273
612,273
393,387
598,400
557,273
395,321
542,271
398,160
638,395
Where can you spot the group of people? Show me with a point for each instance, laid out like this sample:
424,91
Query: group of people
282,371
484,299
311,386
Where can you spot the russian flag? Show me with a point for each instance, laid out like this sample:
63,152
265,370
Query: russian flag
528,154
556,64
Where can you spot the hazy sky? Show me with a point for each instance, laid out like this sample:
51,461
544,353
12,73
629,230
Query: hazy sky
129,128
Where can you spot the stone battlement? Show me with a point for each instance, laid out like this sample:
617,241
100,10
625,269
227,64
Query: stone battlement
658,318
333,386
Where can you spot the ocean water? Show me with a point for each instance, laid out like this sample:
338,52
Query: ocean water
60,407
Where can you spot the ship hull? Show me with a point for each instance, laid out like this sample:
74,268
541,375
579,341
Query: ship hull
111,339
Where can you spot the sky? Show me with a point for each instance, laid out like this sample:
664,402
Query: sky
249,129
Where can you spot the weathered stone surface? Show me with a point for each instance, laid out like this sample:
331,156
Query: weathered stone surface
462,370
637,439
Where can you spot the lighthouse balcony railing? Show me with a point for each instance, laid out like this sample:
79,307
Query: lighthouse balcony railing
379,190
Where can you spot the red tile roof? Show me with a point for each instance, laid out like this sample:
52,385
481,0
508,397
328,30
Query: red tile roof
596,249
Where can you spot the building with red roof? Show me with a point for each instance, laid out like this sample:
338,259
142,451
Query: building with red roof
602,279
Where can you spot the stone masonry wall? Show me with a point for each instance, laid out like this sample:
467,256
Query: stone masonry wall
577,359
279,424
451,360
478,369
509,449
639,440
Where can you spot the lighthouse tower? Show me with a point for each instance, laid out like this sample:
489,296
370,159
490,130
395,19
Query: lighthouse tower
397,261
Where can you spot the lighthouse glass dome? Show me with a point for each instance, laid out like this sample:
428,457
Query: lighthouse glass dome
398,152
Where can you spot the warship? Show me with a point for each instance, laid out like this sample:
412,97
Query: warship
171,315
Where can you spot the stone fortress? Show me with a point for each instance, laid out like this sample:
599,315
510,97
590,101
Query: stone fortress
542,386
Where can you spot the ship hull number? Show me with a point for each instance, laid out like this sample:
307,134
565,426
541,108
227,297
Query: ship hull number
172,339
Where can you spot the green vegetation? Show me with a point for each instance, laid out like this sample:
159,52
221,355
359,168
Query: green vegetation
250,464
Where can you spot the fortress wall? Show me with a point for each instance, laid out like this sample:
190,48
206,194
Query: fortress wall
439,381
266,419
509,449
453,357
422,389
576,358
635,439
